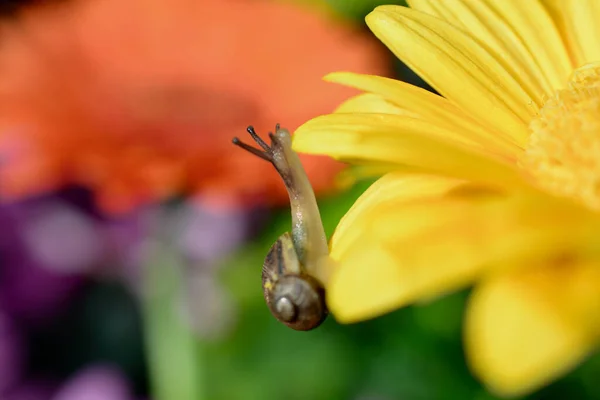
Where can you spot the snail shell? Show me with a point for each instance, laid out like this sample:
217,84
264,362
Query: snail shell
293,297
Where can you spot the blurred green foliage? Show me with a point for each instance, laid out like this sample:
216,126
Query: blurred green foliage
176,371
357,9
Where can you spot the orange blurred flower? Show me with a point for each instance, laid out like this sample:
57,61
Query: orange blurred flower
138,99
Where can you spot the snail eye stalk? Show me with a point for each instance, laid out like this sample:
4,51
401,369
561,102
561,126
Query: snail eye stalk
267,151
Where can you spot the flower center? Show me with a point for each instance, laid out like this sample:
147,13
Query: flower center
563,153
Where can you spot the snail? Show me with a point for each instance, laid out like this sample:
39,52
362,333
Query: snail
292,292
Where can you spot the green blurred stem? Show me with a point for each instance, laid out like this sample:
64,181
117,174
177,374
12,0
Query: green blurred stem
175,364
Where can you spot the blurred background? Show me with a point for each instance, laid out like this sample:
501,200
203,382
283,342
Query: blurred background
133,232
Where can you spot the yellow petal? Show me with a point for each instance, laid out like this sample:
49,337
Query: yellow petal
520,33
370,103
392,254
580,27
557,10
423,104
457,66
386,138
395,187
525,329
355,173
586,23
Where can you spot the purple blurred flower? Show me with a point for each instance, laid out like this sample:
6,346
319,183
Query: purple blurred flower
206,235
31,288
31,293
12,351
61,237
32,390
125,238
50,246
97,382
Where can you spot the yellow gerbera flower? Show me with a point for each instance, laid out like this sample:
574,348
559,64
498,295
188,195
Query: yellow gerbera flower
498,181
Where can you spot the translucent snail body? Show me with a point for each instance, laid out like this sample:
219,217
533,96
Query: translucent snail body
292,292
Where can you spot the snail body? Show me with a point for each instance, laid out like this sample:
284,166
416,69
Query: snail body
292,291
